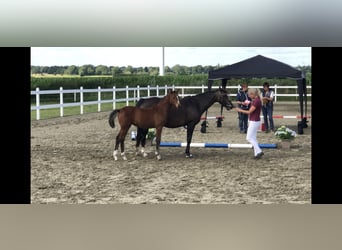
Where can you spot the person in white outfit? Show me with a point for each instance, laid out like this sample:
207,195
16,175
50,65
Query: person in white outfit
254,121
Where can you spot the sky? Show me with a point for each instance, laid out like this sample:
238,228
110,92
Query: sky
152,56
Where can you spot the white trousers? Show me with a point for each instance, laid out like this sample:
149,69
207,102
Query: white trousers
252,132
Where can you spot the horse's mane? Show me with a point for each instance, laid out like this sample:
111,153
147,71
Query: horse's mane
206,93
147,101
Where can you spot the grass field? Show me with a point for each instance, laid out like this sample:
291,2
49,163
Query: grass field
68,111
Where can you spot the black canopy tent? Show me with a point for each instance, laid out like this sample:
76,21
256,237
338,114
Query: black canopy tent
262,67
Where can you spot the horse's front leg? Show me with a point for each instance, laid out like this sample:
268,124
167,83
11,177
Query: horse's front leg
189,132
158,139
138,141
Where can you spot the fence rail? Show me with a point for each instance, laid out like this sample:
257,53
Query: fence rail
131,94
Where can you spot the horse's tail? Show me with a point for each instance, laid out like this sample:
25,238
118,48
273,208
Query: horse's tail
112,117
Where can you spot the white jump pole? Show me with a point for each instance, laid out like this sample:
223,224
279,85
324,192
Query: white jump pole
215,145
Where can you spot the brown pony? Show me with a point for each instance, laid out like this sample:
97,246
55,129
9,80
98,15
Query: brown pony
154,117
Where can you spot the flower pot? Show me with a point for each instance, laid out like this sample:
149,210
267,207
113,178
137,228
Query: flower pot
285,143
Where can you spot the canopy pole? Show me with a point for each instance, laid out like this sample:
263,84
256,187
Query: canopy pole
204,123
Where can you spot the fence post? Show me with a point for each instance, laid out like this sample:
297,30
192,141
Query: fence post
99,99
157,90
275,92
37,104
202,88
127,96
165,89
61,101
148,91
138,93
114,97
81,100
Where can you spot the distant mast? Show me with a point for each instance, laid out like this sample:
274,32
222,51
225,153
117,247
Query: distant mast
161,72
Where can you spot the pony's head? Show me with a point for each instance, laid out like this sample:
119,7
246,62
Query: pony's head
223,98
173,98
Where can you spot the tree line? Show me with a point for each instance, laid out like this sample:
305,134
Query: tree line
103,70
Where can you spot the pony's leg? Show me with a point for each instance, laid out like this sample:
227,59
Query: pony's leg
138,141
117,142
120,138
143,141
189,132
123,150
158,139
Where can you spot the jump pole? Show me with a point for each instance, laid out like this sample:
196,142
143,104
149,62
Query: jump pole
287,116
212,117
262,124
215,145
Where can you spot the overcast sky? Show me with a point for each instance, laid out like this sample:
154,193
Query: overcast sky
152,56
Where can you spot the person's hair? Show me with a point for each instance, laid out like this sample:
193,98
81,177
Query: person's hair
266,84
254,91
243,85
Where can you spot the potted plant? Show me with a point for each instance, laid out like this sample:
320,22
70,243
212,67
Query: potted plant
285,135
151,135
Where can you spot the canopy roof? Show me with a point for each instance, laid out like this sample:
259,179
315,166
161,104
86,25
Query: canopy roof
258,67
261,67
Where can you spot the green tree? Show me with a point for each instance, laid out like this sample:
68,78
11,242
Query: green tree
86,70
153,71
35,70
102,70
116,71
179,70
71,70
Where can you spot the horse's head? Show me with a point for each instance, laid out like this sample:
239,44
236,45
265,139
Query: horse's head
223,99
174,98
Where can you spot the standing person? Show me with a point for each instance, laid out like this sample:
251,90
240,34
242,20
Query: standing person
243,102
267,106
254,121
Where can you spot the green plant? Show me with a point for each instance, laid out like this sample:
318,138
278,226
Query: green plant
150,134
285,133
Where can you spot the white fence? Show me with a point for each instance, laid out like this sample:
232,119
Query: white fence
132,94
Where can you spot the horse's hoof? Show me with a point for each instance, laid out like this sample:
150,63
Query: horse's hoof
123,156
115,155
158,157
145,154
188,155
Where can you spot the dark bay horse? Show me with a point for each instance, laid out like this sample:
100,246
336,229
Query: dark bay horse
188,114
151,117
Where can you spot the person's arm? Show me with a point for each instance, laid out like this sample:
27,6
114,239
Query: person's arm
270,98
251,110
244,103
238,99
